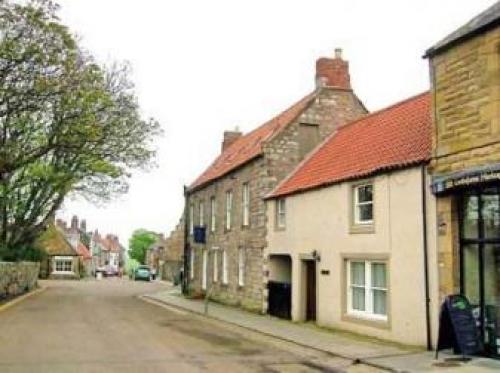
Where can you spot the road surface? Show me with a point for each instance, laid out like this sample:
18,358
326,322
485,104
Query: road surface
102,326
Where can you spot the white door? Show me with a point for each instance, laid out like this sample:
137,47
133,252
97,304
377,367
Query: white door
204,270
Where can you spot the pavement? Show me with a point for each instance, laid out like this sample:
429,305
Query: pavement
368,351
103,326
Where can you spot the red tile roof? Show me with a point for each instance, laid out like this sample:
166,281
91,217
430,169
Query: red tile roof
249,146
82,251
394,137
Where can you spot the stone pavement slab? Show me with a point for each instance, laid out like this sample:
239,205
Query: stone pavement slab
340,344
367,350
425,362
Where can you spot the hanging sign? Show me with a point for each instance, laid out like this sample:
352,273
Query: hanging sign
457,327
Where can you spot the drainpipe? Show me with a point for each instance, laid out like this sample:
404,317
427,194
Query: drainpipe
426,260
187,251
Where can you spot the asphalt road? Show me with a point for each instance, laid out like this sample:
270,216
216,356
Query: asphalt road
101,326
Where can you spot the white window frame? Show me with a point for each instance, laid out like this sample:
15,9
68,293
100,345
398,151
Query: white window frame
212,214
224,268
368,313
281,213
204,270
358,204
63,259
241,266
215,274
191,219
201,211
245,204
229,208
191,264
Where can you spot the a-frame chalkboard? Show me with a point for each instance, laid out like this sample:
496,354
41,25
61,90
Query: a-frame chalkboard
457,327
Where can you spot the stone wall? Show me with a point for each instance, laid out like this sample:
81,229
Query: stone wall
466,92
466,89
17,278
330,109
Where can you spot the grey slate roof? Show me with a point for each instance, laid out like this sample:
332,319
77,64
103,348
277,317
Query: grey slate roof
482,22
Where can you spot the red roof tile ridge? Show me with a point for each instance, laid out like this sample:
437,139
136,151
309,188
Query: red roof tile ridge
384,109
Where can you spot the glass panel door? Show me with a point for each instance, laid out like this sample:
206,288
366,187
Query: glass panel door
492,298
480,261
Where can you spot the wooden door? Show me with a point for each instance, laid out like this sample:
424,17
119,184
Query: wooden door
311,290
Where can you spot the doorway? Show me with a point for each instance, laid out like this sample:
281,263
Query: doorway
480,261
310,290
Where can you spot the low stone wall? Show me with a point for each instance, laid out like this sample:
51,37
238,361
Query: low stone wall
17,278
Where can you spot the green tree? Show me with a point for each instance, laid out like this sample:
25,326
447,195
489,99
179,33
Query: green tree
67,124
139,243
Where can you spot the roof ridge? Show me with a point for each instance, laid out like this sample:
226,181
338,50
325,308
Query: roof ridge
384,109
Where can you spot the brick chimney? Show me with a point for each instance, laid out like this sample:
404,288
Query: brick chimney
230,137
333,72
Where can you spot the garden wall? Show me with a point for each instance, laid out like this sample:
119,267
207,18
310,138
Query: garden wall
17,278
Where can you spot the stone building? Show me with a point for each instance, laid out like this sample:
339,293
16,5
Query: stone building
171,258
225,205
465,78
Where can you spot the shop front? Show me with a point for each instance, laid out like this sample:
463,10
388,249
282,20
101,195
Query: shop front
476,196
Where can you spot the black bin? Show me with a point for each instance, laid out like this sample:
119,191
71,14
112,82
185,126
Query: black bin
280,299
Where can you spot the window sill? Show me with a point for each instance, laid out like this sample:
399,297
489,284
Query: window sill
367,320
362,228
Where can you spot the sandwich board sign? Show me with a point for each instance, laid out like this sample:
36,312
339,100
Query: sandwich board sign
457,327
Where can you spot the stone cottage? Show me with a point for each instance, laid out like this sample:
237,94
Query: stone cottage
225,206
62,260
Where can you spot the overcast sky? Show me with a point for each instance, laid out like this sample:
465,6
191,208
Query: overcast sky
202,67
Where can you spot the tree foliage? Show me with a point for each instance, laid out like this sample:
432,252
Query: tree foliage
67,124
140,241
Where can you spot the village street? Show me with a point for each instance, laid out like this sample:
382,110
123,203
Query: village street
101,326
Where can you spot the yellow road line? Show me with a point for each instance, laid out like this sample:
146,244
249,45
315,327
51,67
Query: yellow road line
21,298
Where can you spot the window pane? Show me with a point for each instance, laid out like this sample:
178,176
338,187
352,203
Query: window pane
491,215
358,273
358,299
365,193
378,275
366,212
379,302
470,217
471,273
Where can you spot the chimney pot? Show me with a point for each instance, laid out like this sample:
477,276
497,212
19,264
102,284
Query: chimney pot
338,53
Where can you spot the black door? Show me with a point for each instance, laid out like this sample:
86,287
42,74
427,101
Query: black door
480,261
311,290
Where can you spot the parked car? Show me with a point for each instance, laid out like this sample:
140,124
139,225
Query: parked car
142,273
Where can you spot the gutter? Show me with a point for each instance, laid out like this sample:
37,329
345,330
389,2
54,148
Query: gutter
426,260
